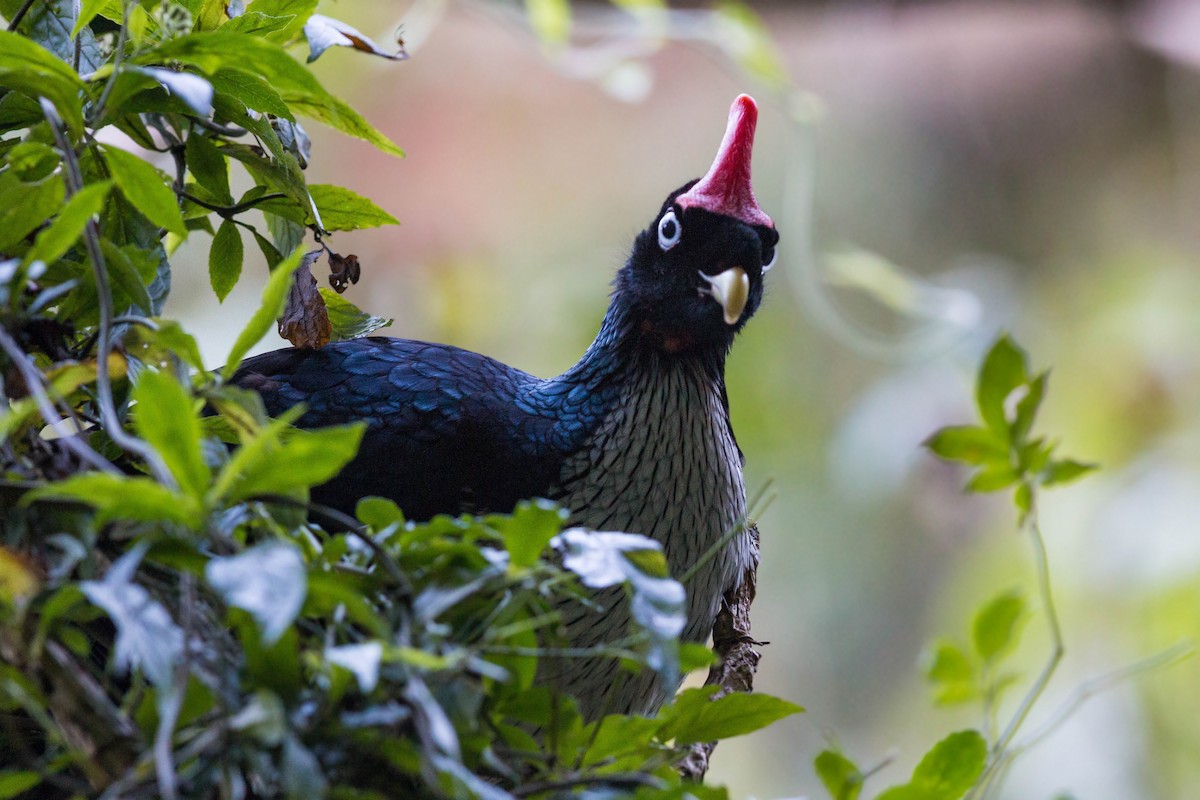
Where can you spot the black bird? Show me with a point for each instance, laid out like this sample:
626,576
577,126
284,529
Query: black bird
635,437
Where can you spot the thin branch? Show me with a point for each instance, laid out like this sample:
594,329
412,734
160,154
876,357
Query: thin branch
20,15
629,780
73,178
231,131
229,211
33,382
1101,683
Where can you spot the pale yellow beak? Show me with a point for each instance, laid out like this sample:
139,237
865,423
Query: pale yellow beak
731,289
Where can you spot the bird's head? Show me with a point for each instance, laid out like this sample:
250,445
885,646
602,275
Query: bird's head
696,273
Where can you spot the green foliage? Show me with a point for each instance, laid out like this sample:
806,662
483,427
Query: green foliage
1000,449
1003,454
194,621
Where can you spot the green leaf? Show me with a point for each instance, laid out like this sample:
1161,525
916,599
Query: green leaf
173,337
17,782
255,23
952,766
122,497
344,210
225,259
26,206
305,459
378,512
274,295
952,674
208,166
842,778
550,19
347,319
969,444
1005,367
529,530
127,279
250,90
211,14
56,239
166,418
695,717
299,88
299,10
146,188
33,161
88,10
1028,406
1065,471
996,624
992,478
36,72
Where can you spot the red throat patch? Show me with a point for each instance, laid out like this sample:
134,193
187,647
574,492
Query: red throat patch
726,188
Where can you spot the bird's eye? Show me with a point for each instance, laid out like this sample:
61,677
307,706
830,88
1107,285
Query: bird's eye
773,256
669,231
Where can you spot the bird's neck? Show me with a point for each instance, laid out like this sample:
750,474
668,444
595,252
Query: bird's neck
626,345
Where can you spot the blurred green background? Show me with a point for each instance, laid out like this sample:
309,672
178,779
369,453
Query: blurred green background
939,172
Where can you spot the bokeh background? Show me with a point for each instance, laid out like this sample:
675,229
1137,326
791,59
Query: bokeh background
939,172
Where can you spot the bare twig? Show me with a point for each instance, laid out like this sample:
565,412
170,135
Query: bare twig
229,211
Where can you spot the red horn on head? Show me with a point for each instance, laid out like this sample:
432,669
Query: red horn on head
726,188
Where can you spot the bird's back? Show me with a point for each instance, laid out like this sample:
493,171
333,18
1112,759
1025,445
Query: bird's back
448,430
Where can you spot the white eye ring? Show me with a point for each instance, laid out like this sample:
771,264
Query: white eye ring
774,257
669,231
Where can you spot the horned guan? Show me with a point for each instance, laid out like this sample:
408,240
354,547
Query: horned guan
635,437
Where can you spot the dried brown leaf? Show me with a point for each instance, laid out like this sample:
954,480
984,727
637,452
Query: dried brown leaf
343,271
305,321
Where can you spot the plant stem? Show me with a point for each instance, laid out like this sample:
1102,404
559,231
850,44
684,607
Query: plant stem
1000,750
73,178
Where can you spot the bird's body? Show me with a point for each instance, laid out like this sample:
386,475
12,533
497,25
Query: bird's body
634,437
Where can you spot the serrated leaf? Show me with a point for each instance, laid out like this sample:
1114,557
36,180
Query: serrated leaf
1065,470
146,188
274,295
166,418
1005,367
842,778
695,717
67,227
269,581
225,259
969,444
